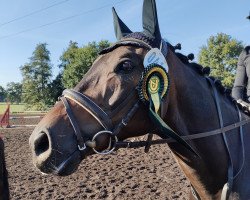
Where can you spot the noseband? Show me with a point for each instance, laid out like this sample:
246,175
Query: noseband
99,115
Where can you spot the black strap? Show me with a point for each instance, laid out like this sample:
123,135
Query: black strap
242,144
126,119
120,104
195,193
88,104
230,165
126,42
74,124
149,142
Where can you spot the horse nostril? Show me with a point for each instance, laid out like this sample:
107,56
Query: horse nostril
41,144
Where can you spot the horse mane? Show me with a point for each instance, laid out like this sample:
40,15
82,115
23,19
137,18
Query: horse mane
202,71
205,71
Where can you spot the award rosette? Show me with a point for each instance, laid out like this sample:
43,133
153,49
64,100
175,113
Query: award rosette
153,85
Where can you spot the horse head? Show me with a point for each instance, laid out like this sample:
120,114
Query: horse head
85,119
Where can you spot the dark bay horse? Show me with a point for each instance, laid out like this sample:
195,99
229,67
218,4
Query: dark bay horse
103,109
4,186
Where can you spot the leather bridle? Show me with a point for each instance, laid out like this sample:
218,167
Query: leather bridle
101,117
108,128
98,113
105,120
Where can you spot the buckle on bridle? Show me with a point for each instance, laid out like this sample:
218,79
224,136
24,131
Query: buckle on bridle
124,122
82,148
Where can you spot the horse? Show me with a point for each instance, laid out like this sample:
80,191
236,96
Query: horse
4,186
112,103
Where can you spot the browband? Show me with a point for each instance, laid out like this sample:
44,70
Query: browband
136,43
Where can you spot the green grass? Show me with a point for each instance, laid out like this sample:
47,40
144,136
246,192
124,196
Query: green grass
13,107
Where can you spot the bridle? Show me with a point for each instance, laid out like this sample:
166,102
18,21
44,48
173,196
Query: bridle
98,113
100,116
105,121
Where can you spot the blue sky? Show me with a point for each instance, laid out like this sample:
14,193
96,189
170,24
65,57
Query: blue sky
188,22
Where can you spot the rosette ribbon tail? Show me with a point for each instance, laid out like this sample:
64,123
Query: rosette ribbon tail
166,131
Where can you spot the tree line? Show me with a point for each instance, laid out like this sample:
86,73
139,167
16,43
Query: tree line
39,91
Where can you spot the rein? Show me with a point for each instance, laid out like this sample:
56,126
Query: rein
127,144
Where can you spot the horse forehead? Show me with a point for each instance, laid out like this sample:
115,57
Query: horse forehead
123,51
106,63
129,49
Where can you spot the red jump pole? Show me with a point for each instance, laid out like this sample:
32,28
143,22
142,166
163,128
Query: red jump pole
5,119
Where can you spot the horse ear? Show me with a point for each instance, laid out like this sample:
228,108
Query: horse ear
121,29
150,20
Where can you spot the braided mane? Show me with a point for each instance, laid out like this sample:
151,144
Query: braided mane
205,71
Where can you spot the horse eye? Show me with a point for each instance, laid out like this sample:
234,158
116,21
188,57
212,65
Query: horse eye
126,66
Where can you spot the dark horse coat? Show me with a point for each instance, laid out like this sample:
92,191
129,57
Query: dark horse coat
4,187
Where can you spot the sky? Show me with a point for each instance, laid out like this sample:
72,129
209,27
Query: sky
26,23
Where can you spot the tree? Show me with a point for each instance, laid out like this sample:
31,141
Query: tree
221,54
2,94
36,78
14,92
76,61
56,88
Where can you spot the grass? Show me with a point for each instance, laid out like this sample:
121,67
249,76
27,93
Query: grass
13,107
18,109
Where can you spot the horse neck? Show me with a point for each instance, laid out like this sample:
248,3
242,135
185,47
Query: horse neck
190,108
190,96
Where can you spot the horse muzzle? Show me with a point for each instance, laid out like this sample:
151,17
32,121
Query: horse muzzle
50,160
41,145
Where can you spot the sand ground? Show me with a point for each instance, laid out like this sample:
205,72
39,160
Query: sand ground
126,174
